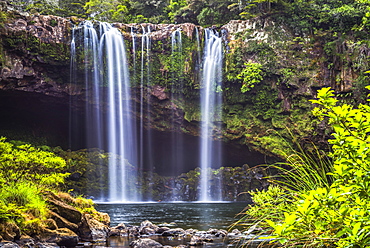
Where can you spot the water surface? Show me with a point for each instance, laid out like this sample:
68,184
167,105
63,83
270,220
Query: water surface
201,216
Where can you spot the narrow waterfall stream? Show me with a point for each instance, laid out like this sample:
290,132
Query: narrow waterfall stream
211,111
177,154
145,157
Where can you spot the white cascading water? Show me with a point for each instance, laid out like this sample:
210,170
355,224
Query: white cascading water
92,81
177,139
107,78
146,163
210,110
120,126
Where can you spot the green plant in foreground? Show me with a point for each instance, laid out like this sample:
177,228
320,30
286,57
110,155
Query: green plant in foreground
333,214
25,173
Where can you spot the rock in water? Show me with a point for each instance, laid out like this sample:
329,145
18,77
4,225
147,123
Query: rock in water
92,229
61,237
119,230
145,243
174,232
8,244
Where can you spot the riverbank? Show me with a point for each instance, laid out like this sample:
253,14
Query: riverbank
182,224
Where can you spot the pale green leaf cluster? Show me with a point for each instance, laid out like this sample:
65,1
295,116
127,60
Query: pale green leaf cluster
251,75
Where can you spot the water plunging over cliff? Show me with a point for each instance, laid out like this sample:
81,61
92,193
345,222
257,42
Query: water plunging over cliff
105,66
132,141
211,103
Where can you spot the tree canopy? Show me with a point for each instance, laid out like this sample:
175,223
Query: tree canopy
301,15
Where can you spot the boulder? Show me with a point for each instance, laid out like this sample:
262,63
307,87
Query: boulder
221,233
64,210
235,232
162,229
145,243
191,231
133,231
51,224
159,92
26,241
148,228
8,244
103,218
118,230
46,245
174,232
92,229
62,222
60,236
196,241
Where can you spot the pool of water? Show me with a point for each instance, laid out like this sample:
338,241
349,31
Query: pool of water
201,216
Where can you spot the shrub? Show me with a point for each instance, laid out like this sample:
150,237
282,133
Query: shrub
26,163
26,196
335,214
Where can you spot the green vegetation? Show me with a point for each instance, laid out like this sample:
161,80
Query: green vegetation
25,163
323,204
251,75
28,175
25,172
301,15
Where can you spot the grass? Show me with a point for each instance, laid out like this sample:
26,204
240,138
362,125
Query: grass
305,168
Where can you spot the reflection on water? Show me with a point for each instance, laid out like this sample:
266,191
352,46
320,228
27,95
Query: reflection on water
201,216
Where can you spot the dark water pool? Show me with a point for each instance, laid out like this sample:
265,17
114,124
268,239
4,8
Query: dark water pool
201,216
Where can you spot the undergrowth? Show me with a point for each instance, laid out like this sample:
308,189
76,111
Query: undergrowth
318,201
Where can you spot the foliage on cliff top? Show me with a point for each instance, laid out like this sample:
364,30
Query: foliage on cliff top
303,16
335,214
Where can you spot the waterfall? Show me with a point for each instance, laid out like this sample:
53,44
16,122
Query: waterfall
177,71
107,80
146,163
98,51
210,112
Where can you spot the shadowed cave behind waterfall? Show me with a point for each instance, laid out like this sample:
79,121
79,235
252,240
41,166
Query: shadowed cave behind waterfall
33,116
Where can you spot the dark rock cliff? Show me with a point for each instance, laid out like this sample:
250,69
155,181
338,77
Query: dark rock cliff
35,64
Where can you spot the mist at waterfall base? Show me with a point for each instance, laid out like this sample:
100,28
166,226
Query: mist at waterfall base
113,118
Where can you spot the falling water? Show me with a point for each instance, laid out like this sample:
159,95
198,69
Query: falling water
92,80
177,140
210,111
120,127
107,78
72,70
145,159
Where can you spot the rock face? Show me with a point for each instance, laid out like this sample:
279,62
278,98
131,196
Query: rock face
68,212
65,228
36,54
61,237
